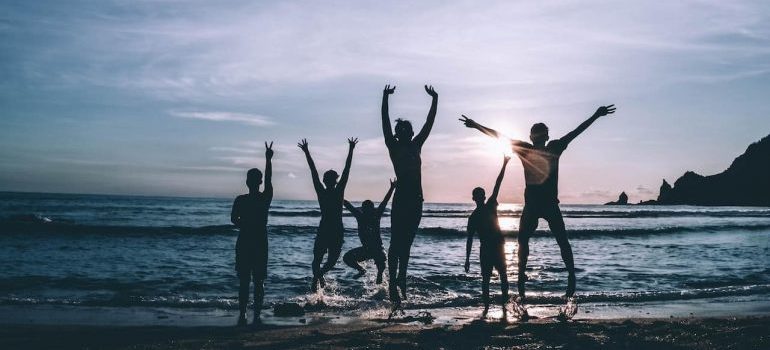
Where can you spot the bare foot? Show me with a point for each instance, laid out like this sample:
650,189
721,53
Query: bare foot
402,286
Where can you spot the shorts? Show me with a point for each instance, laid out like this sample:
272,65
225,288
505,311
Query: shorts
251,259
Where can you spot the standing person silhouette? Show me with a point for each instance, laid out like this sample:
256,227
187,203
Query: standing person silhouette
406,212
330,231
541,174
368,219
492,251
249,215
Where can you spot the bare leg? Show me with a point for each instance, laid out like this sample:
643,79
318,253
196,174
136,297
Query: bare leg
393,271
318,255
243,295
402,267
556,224
502,271
379,260
527,226
485,289
353,256
259,295
331,259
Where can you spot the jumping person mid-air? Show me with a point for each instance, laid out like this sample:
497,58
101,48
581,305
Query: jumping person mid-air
406,212
492,253
249,214
368,218
541,172
330,231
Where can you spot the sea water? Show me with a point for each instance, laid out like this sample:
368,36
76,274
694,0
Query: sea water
179,253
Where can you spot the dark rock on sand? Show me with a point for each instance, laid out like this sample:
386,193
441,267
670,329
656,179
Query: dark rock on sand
745,182
288,310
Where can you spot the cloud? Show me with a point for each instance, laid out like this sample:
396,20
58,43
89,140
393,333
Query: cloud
245,118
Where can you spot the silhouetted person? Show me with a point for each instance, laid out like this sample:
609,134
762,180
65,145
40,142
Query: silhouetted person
492,251
541,173
368,219
249,214
406,211
330,231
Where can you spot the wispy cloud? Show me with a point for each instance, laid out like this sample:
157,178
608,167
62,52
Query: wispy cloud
245,118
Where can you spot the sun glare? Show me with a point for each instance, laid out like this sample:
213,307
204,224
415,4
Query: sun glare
504,145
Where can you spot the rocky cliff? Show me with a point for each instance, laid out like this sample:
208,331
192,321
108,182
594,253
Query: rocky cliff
745,182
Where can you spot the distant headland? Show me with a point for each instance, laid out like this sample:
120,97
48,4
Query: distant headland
745,183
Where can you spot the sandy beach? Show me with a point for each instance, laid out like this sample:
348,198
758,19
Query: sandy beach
674,333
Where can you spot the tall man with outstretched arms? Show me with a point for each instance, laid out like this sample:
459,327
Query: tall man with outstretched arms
540,160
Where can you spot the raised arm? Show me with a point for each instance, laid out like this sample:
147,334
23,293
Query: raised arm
351,208
313,171
268,192
387,131
425,131
384,203
346,172
469,244
600,112
499,181
470,123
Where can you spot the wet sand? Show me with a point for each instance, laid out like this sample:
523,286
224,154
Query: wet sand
672,333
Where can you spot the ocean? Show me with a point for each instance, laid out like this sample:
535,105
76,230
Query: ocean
178,253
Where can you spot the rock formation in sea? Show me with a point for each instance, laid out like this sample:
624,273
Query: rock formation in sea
745,182
622,200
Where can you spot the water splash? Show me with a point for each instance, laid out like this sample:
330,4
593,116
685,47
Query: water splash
569,310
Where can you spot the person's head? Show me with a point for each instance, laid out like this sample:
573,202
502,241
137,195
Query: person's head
330,178
479,196
538,134
403,130
253,179
367,207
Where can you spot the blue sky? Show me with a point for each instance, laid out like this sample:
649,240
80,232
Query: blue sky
176,97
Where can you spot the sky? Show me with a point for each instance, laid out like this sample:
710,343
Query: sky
177,97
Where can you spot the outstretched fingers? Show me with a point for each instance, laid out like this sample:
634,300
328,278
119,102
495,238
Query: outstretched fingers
467,121
302,144
429,89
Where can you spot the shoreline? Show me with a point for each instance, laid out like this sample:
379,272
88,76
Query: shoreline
629,333
137,316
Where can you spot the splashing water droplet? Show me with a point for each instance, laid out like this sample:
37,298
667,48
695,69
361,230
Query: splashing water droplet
569,310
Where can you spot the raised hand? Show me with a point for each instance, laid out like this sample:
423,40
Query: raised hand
430,91
303,145
392,183
468,122
389,90
506,158
604,110
352,142
269,150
